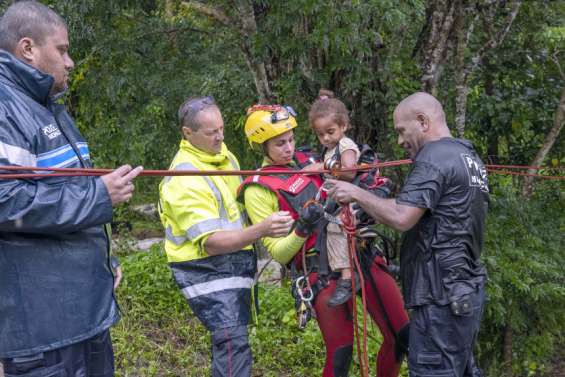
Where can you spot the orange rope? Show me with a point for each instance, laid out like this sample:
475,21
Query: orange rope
502,171
349,227
79,172
73,172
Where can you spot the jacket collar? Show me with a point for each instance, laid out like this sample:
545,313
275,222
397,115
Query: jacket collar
267,162
24,77
208,158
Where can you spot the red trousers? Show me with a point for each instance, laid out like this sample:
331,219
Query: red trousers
336,323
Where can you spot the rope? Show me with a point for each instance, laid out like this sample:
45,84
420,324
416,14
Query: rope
48,172
507,172
73,172
495,166
349,227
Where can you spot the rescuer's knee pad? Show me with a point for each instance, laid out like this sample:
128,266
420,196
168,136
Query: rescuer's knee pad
342,360
402,342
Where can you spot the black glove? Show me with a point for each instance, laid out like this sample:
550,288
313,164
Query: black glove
309,217
361,216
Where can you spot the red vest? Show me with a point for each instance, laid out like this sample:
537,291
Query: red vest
292,190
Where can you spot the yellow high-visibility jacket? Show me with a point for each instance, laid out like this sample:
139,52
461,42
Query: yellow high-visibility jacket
192,208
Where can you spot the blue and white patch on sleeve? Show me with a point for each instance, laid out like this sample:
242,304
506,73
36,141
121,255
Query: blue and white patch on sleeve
62,157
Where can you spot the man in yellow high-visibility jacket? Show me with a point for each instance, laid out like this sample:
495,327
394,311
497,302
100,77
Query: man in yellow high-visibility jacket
208,244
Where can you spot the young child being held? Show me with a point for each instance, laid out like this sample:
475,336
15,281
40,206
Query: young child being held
329,119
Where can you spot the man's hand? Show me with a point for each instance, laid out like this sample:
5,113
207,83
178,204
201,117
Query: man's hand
117,277
309,218
340,191
278,224
119,183
116,270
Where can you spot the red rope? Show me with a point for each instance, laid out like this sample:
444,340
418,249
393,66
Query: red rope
73,172
552,177
349,227
494,166
80,172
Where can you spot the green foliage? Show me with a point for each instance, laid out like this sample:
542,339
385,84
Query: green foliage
513,101
159,336
526,289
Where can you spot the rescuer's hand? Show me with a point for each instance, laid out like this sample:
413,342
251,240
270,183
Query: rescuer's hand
310,216
340,191
119,183
278,224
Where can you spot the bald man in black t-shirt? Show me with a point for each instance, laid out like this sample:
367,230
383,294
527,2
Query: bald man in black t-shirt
442,209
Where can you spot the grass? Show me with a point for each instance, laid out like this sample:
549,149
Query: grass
159,336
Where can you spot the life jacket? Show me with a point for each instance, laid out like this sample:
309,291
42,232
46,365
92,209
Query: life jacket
370,180
292,190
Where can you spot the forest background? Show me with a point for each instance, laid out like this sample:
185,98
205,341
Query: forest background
496,65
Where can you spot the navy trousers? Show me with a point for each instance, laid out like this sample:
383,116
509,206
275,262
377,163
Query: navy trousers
93,357
442,338
231,353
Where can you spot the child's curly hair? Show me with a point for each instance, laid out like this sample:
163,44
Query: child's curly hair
327,105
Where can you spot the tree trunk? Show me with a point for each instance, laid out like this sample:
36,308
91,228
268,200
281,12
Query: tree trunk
248,32
558,122
464,71
492,135
461,84
434,50
507,350
259,73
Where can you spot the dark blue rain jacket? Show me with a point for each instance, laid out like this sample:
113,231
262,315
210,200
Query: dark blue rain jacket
55,276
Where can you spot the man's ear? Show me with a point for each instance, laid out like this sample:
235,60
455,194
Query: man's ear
186,132
25,50
424,121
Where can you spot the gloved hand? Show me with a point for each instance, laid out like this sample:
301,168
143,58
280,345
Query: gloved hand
360,215
309,217
366,231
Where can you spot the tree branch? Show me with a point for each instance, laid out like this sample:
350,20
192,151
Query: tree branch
496,40
210,11
443,18
559,68
172,31
558,123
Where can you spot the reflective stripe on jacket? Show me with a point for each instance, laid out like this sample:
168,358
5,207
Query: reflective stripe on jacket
56,285
192,207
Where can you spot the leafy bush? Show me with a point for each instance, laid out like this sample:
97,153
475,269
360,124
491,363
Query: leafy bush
524,255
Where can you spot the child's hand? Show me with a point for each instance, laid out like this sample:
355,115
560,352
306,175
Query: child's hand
313,167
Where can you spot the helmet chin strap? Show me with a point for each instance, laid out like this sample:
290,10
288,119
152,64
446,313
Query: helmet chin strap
264,146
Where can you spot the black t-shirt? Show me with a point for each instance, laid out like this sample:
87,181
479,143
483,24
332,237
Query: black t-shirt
439,260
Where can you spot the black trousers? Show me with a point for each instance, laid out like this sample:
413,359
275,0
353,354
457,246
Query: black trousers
231,353
93,357
442,338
